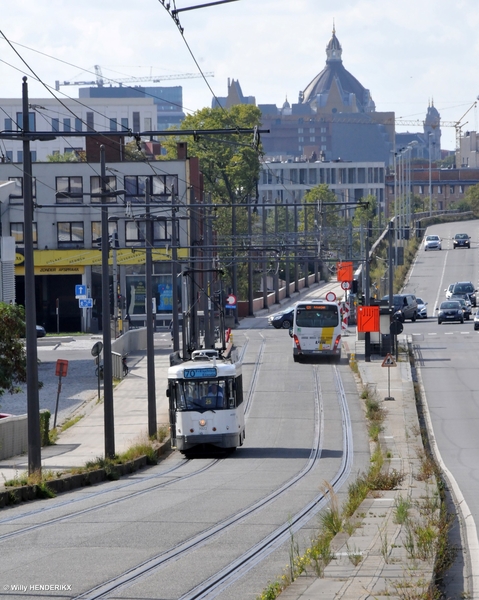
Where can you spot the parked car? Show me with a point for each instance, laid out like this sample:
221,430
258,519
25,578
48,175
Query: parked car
461,240
462,288
282,320
41,331
450,310
405,306
432,242
466,305
421,308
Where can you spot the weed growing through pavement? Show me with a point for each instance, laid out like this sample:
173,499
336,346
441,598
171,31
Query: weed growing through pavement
401,510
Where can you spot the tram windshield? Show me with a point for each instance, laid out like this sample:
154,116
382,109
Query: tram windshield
205,394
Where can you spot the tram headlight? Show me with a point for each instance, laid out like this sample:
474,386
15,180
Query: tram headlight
202,422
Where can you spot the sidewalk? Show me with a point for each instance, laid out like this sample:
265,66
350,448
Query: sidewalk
85,440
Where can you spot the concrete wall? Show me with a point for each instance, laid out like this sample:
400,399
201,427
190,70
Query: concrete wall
13,436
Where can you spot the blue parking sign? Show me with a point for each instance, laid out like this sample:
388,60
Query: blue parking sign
85,302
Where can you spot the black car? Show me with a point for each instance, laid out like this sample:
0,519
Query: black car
283,320
450,310
404,306
461,240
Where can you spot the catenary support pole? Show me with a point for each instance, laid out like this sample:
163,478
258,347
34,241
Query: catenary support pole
150,315
109,422
33,403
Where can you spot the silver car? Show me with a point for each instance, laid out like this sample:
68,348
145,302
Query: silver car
432,242
421,308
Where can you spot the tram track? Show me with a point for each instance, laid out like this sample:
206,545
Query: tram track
214,585
124,485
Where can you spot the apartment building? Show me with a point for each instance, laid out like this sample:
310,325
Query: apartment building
67,227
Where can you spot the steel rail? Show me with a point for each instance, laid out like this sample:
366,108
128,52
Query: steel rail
144,570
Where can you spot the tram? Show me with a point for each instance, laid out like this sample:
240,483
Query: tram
316,329
206,402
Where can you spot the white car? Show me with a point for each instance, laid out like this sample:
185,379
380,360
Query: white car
421,308
432,242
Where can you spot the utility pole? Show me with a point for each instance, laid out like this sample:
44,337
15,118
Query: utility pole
109,422
286,256
33,403
265,260
150,348
250,262
174,273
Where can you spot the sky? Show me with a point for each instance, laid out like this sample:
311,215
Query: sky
406,53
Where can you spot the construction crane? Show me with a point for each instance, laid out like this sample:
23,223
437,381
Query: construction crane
100,80
456,124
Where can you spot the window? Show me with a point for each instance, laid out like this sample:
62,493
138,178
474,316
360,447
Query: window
113,124
312,139
451,189
439,189
461,189
16,196
78,124
159,186
136,121
421,189
147,123
8,124
95,188
135,232
9,155
301,138
55,124
300,130
31,121
323,129
70,234
69,190
323,138
124,123
90,121
33,155
311,130
16,231
96,230
20,156
67,124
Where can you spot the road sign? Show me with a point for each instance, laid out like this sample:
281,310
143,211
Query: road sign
389,361
97,348
345,285
368,318
80,291
231,301
85,302
61,369
396,327
331,297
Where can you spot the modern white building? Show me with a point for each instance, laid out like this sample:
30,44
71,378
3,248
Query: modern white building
287,181
71,115
67,225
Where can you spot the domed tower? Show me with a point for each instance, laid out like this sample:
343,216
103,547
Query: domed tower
432,131
335,89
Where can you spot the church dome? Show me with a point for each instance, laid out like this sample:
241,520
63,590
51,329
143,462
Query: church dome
317,92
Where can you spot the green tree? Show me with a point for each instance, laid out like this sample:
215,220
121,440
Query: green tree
73,156
13,365
471,198
230,165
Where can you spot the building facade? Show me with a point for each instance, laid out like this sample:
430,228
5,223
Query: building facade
70,116
67,235
288,182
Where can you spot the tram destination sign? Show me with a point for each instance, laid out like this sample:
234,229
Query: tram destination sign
200,373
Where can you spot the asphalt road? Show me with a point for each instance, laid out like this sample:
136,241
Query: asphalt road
448,359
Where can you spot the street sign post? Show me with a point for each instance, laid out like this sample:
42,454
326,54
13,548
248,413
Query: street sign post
389,362
61,370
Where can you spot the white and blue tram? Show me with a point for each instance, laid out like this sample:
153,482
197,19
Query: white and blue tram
206,402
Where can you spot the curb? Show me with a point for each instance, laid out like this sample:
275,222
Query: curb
67,483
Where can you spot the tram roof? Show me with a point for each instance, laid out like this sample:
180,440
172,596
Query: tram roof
203,367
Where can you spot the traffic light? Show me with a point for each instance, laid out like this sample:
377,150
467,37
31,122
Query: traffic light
355,286
111,292
97,243
362,300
